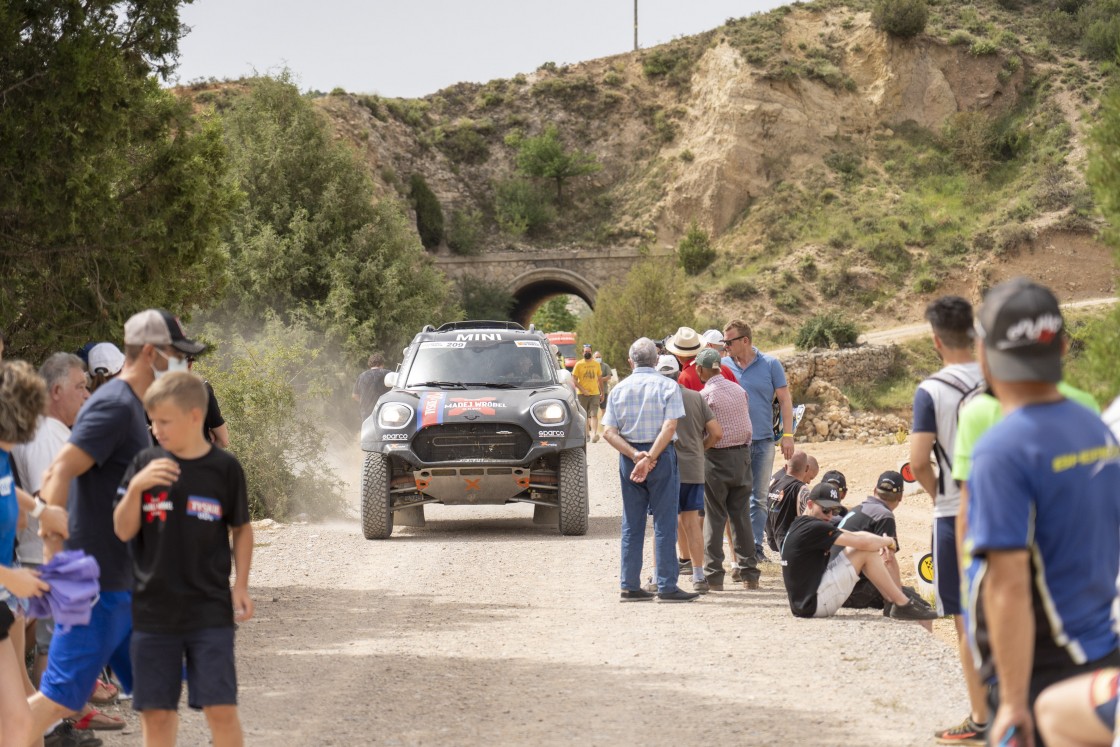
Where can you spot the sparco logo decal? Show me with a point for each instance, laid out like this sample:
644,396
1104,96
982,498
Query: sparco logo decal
395,437
551,434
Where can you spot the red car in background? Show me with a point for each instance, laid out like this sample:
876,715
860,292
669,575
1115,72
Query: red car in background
566,344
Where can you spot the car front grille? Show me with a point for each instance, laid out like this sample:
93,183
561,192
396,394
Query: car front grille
460,441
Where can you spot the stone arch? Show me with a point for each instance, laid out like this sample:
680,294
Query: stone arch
531,289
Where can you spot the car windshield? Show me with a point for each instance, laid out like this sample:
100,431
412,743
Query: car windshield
480,363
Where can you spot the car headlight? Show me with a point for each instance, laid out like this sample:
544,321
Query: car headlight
394,415
550,412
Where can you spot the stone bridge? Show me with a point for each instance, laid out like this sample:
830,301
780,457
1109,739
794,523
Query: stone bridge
533,277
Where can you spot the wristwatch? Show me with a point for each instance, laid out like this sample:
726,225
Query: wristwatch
40,504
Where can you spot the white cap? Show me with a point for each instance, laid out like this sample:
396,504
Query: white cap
667,364
105,358
713,337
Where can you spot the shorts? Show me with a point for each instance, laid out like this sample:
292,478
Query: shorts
77,656
692,497
590,404
946,567
1102,695
159,657
836,585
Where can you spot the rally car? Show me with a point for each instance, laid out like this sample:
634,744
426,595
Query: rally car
479,413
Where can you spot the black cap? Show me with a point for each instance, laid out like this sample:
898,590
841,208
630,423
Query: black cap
825,495
837,478
890,482
1021,325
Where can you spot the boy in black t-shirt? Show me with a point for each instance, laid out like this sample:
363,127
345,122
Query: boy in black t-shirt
817,583
179,504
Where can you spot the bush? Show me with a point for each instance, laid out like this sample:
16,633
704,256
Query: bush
484,299
695,252
901,18
827,330
465,232
464,143
264,386
1100,39
982,47
521,208
429,215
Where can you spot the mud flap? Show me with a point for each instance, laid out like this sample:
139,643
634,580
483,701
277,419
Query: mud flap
409,517
546,515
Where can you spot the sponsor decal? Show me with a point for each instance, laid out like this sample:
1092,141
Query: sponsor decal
1032,331
527,344
394,437
6,483
473,484
546,444
925,568
459,405
155,506
478,337
437,345
206,509
551,434
431,409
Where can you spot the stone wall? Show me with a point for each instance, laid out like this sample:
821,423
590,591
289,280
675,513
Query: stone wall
815,379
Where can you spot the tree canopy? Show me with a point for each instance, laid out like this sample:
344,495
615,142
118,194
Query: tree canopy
546,157
112,197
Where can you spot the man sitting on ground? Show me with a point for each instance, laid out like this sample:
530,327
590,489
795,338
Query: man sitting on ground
818,583
783,499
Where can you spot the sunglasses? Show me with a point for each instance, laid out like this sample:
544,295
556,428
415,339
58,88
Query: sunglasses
733,339
826,511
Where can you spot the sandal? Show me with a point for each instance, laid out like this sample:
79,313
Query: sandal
104,693
99,721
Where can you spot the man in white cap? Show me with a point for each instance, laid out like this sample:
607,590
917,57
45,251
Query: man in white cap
686,344
111,428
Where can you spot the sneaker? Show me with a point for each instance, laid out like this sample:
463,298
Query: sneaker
650,586
686,567
912,611
65,735
677,595
760,555
750,584
635,595
967,732
701,586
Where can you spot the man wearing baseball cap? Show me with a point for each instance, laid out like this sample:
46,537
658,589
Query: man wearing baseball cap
1042,548
111,428
818,582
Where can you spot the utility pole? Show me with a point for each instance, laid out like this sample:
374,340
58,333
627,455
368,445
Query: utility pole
635,25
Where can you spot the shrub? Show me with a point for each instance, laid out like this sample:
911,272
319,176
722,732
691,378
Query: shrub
695,252
464,144
673,63
687,156
961,38
1101,38
521,208
665,128
982,47
465,232
901,18
827,330
740,288
429,215
265,386
484,299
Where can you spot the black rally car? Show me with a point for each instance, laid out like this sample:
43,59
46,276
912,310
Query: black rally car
478,414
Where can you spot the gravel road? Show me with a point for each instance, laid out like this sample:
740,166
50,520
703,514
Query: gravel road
484,629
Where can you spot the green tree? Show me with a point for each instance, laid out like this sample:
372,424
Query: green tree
429,215
545,157
695,252
112,196
310,240
554,316
484,299
521,209
652,301
901,18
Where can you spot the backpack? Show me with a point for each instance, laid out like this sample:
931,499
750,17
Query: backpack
968,393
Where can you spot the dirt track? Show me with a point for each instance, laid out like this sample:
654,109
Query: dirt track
485,629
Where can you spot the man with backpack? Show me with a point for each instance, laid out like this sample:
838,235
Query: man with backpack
937,403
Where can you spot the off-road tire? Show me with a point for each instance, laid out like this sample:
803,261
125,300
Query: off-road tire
572,495
377,519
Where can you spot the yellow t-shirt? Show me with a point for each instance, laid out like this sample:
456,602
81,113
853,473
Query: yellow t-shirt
587,373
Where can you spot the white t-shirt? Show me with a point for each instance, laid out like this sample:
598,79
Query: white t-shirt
1111,417
31,461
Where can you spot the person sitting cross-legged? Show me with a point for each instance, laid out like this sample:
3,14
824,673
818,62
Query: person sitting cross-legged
817,583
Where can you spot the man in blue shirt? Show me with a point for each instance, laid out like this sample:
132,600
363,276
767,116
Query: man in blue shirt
764,379
641,424
1042,549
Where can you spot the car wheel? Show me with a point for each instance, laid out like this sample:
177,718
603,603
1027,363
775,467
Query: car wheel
377,519
573,492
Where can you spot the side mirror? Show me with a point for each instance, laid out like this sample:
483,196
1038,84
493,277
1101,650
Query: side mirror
391,379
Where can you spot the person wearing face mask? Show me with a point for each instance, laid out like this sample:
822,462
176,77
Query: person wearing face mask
587,375
111,428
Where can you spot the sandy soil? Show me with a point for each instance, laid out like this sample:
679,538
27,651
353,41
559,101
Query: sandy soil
485,629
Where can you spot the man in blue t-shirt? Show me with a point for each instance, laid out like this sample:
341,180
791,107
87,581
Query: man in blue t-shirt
764,379
110,430
1042,549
